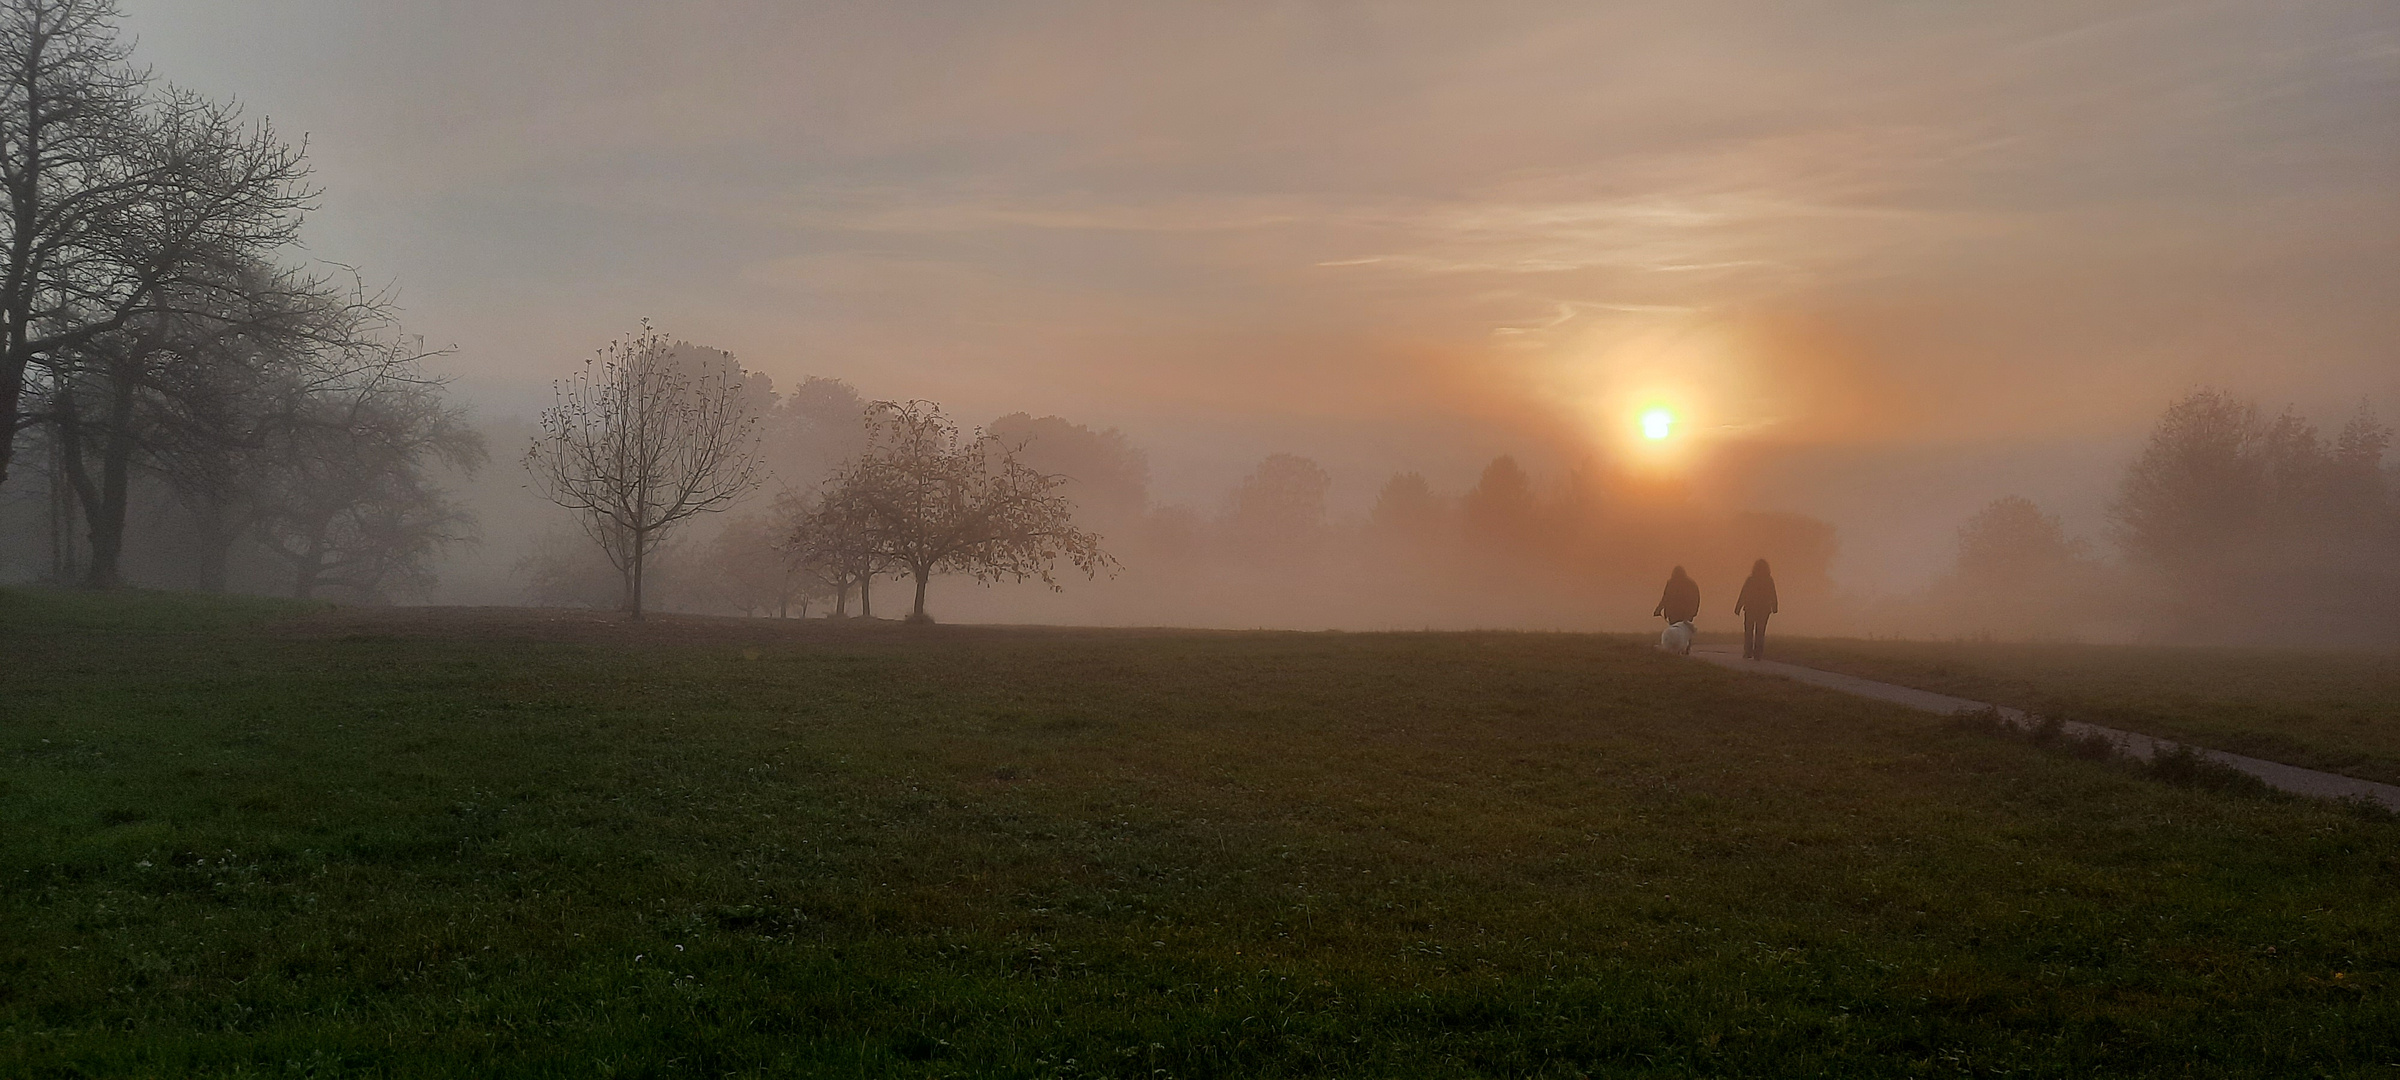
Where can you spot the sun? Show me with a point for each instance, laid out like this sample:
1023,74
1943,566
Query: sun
1657,424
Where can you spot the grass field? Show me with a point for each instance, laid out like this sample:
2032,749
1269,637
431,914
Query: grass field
247,840
2337,710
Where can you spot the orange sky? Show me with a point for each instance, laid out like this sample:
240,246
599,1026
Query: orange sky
1853,242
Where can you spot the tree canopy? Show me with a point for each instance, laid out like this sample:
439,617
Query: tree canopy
932,499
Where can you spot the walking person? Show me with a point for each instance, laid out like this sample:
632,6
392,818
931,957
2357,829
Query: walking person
1754,605
1682,600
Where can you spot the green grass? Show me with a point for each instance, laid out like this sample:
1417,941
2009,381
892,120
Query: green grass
2337,710
431,845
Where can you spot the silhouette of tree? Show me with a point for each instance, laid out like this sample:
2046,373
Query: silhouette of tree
833,538
197,386
1407,507
1106,475
935,500
126,207
1280,507
2011,542
2019,574
811,431
1502,507
344,493
2199,484
2357,485
2261,527
2213,478
648,435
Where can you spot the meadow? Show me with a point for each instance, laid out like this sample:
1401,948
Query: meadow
252,839
2331,709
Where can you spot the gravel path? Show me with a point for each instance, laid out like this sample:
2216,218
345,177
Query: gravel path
2292,778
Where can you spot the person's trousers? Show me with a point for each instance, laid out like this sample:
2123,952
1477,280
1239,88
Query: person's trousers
1754,637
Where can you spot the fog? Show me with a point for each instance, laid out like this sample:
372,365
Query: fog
1885,264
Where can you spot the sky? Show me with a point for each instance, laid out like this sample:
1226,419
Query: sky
1886,261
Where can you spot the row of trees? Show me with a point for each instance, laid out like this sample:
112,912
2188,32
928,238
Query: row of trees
2254,527
153,337
1507,551
654,432
2232,526
2226,521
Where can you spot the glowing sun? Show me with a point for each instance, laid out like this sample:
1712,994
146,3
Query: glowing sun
1657,424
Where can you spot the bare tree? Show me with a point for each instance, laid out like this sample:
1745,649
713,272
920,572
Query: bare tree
70,110
345,495
935,500
205,376
648,435
115,195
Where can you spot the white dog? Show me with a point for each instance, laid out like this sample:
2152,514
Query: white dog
1677,638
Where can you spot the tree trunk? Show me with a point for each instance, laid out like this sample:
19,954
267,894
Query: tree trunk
70,460
641,545
841,601
116,473
923,574
25,206
13,364
866,600
64,567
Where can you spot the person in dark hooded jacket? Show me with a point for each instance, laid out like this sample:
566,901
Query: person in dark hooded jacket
1754,605
1682,600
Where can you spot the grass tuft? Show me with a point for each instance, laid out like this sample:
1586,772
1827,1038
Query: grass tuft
2184,766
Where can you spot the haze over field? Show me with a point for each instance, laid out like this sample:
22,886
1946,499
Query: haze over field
1199,539
1883,263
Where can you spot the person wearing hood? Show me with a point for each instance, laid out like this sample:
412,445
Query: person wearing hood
1682,600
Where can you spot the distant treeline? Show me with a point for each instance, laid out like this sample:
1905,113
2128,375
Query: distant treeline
2230,526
